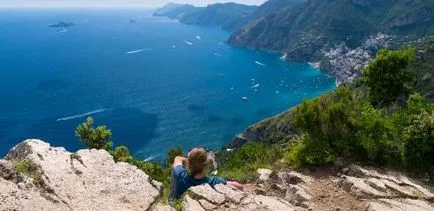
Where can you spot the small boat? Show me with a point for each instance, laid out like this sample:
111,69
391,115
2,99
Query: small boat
255,86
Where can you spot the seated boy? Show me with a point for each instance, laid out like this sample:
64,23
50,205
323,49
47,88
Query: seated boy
197,160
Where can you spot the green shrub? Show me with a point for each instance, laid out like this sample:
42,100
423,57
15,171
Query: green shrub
242,164
388,76
26,168
121,153
154,170
329,125
98,138
305,153
416,122
377,138
342,124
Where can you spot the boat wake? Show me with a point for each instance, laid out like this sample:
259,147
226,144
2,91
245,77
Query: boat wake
82,115
150,158
138,50
260,64
217,54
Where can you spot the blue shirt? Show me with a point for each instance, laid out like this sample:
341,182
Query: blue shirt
181,181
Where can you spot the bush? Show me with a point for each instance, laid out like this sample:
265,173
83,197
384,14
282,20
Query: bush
378,138
27,168
416,121
305,152
121,153
342,124
98,138
242,164
388,76
328,124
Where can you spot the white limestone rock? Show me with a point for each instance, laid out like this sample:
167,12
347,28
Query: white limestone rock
208,193
264,174
86,180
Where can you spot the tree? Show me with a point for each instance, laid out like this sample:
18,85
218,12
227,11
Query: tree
98,138
388,76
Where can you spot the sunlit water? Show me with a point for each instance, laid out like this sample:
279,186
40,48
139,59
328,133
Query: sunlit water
156,83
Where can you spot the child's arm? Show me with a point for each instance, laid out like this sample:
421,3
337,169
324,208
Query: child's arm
179,161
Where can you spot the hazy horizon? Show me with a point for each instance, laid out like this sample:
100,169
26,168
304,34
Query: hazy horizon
111,3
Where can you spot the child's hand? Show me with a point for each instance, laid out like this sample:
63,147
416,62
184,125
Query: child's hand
235,185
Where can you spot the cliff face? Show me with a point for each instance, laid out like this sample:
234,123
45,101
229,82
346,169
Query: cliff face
305,24
230,16
309,30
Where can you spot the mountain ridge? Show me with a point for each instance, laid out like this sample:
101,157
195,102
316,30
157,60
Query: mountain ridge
313,30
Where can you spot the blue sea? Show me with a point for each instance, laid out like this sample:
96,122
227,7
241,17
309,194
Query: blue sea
154,82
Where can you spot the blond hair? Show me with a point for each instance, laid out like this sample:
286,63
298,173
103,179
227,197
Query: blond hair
197,160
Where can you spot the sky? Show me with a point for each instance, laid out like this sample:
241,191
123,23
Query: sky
112,3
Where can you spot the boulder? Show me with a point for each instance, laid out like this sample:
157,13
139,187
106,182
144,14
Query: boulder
208,193
292,177
358,188
188,204
264,174
272,203
297,195
377,184
207,205
399,205
404,191
86,180
233,195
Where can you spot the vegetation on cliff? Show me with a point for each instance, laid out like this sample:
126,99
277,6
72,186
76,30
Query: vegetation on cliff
303,27
380,120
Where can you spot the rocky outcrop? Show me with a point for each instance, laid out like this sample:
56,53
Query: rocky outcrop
36,176
356,188
223,197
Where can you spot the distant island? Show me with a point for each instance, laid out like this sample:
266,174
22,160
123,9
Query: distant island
62,24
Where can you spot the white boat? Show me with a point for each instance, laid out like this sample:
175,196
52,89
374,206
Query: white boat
188,43
255,86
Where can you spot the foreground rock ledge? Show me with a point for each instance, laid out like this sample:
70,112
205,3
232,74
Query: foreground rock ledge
56,179
36,176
